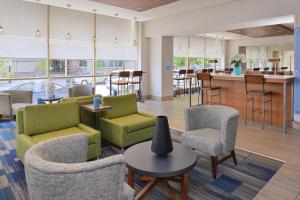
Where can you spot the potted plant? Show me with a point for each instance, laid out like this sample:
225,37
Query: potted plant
238,61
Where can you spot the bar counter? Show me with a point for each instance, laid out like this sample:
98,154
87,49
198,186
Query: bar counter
233,95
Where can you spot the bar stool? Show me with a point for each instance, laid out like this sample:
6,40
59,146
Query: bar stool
204,89
136,80
123,80
258,91
190,71
181,77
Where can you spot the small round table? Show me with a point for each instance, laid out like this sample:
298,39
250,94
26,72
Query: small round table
175,167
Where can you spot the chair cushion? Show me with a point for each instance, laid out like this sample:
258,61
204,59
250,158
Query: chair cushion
207,140
64,132
16,106
134,122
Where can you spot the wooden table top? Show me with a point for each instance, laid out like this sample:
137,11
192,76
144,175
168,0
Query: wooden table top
231,77
91,108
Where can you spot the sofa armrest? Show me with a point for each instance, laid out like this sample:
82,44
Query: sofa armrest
5,104
88,129
146,115
94,132
20,121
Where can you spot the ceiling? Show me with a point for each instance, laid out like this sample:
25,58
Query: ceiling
161,8
223,35
137,5
265,31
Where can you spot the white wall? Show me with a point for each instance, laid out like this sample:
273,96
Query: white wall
155,66
160,67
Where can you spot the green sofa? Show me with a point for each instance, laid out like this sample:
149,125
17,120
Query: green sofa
86,117
123,125
38,123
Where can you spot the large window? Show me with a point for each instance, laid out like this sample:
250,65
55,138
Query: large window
24,51
198,52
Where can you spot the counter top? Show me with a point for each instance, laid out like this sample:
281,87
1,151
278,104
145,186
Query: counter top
232,77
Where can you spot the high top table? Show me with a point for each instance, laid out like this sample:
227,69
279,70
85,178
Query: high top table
175,167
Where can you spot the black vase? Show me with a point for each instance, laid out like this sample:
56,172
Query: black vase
162,142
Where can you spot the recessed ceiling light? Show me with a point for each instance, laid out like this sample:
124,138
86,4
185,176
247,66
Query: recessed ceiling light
69,5
279,31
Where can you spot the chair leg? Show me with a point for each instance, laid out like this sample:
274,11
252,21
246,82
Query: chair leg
252,108
246,109
264,113
234,157
214,166
271,102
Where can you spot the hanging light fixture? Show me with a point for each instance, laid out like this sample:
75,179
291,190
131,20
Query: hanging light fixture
68,37
38,33
116,39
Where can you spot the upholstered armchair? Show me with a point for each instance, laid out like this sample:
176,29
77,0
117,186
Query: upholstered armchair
57,169
11,100
81,90
212,129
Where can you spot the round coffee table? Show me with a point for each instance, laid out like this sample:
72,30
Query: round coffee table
142,161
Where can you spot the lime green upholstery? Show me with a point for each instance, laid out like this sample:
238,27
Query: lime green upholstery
38,123
86,117
123,125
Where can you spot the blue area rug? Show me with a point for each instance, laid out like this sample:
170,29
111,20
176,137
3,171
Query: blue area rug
233,182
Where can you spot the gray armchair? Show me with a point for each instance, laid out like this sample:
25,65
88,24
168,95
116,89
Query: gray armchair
212,129
57,169
81,90
11,100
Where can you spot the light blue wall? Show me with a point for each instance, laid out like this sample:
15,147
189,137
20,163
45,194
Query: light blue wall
297,73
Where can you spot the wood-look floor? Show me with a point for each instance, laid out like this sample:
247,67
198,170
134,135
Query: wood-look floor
270,142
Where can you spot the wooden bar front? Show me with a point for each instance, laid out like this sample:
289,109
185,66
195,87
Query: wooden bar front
233,95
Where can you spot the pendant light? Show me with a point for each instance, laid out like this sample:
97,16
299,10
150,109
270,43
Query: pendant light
1,25
116,39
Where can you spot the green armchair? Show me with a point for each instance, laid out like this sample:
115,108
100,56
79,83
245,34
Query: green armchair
123,125
86,117
37,123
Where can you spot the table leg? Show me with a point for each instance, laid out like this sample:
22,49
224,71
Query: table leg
146,189
130,178
169,189
184,186
97,121
190,80
284,109
110,85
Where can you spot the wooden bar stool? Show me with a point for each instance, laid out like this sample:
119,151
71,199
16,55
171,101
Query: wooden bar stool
136,80
255,87
207,88
190,71
180,78
123,80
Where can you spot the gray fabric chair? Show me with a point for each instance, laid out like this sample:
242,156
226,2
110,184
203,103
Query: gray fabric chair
81,90
57,169
212,129
11,100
